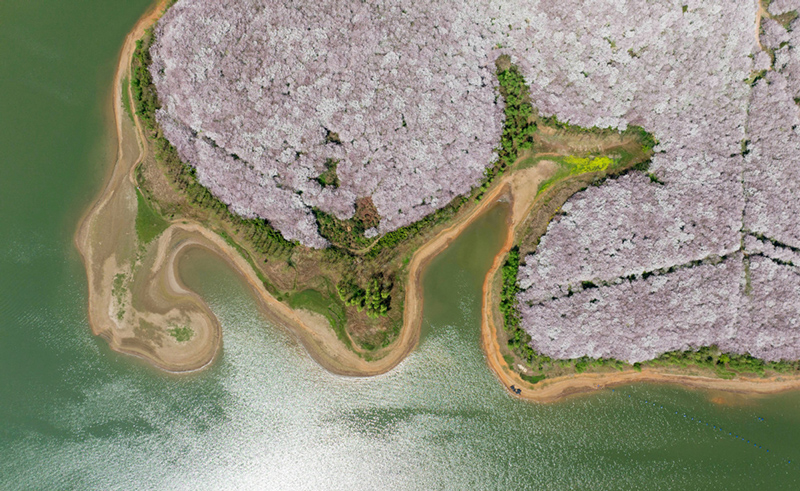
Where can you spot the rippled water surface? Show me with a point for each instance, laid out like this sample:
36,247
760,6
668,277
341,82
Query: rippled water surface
75,415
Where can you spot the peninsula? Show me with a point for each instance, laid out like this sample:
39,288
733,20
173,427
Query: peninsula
331,199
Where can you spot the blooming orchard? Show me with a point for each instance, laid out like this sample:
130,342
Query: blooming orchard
726,119
261,96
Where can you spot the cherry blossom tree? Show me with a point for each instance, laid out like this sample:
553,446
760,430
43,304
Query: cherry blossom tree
259,95
629,269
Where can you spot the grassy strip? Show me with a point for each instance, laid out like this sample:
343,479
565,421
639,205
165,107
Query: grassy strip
726,365
118,290
519,125
604,166
392,239
325,305
246,255
519,340
309,299
149,224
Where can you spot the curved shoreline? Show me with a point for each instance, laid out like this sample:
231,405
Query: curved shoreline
559,388
99,318
318,338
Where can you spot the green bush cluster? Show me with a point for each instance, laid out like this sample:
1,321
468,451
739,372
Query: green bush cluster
584,363
725,364
144,92
706,356
532,379
518,126
395,237
263,236
342,233
519,340
375,298
181,333
329,178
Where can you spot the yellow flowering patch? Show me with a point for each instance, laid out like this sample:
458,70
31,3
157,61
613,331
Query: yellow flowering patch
586,164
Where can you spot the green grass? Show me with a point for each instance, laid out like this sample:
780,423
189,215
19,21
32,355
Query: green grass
572,165
532,379
533,161
342,233
181,334
326,305
118,288
329,178
519,127
118,291
149,224
562,172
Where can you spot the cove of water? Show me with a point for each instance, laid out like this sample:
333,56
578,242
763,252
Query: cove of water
74,415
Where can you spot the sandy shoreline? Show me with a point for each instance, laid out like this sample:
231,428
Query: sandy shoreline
106,243
318,338
313,331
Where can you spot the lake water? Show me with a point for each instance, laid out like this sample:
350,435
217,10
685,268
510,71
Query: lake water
74,415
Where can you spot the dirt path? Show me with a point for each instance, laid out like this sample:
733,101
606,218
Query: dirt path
760,14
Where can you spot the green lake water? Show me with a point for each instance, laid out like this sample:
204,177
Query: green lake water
74,415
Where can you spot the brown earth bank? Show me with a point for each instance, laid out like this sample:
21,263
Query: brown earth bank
136,301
